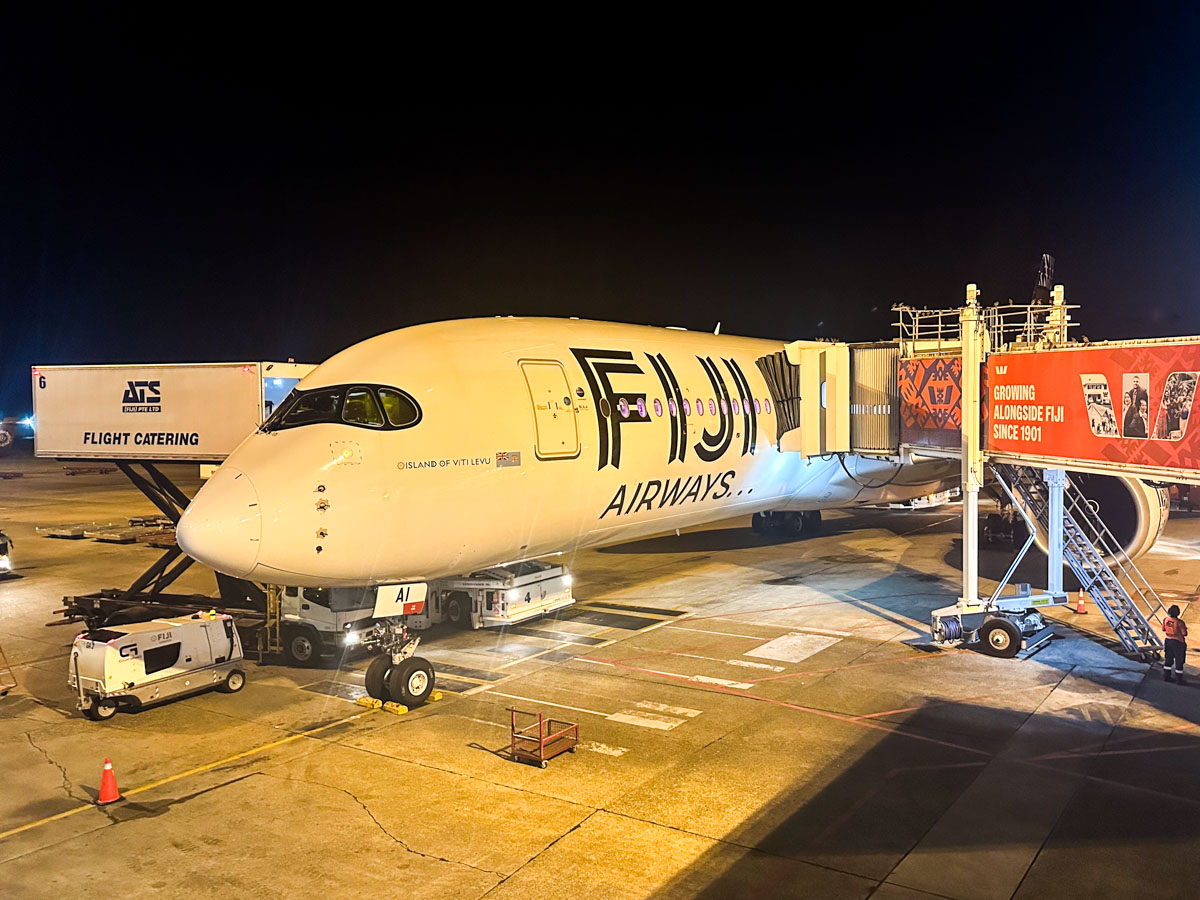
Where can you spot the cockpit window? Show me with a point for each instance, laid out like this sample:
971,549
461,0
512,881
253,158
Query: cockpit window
313,406
362,409
360,405
400,409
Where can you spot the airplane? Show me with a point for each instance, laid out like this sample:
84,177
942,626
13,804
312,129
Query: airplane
448,447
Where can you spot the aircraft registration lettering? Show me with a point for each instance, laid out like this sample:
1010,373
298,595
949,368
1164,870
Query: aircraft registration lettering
656,493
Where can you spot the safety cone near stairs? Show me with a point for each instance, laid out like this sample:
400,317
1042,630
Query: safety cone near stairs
108,785
1080,609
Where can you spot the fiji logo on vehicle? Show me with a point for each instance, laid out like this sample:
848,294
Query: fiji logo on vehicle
142,397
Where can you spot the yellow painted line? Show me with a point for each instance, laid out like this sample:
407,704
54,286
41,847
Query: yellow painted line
196,771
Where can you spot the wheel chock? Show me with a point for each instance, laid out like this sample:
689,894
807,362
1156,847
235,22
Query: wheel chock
436,695
397,709
369,702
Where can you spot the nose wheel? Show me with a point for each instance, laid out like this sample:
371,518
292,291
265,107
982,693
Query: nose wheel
409,682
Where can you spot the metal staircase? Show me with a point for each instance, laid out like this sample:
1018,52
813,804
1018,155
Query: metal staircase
1099,562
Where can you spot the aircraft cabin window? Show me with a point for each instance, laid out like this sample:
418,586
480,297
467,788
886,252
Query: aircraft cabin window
657,407
735,407
699,407
641,406
623,408
766,406
400,410
757,408
605,408
724,406
712,406
361,408
671,408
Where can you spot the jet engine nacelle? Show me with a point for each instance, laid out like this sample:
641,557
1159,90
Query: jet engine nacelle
1133,511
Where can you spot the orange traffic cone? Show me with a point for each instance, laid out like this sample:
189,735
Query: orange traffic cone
108,785
1080,609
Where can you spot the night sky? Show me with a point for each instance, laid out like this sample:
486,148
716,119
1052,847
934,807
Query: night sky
204,189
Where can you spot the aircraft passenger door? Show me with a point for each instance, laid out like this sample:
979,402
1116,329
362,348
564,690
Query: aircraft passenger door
553,409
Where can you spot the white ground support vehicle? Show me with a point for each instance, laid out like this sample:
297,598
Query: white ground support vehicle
148,662
502,595
315,621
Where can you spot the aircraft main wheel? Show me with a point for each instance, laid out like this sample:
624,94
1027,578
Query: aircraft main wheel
811,523
411,682
104,709
1000,637
376,677
234,681
301,646
458,609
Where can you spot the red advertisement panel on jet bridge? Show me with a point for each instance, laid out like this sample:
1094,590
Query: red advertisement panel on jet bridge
1129,404
931,401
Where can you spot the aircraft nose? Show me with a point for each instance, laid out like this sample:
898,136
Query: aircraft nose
222,526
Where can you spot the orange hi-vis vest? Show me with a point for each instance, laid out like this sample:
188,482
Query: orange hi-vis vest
1175,629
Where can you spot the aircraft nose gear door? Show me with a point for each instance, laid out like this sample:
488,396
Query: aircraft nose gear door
553,409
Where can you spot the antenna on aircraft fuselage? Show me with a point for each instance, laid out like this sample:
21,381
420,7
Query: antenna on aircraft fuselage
717,330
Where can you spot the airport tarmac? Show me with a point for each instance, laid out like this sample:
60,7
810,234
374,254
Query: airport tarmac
758,717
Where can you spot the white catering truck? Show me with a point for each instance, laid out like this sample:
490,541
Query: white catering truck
173,411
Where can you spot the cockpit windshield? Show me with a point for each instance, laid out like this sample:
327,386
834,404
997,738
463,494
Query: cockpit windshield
360,405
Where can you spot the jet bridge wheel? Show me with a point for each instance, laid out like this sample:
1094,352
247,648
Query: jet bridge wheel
1000,637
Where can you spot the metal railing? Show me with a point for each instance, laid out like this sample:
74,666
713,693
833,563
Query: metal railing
1011,326
1104,569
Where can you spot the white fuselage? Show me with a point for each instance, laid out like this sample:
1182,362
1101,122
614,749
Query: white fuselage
535,436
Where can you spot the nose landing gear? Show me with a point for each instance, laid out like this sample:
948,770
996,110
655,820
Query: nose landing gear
396,674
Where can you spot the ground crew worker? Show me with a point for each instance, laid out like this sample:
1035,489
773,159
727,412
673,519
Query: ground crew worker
5,543
1175,646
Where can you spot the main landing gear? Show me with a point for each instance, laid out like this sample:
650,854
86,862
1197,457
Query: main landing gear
787,524
396,674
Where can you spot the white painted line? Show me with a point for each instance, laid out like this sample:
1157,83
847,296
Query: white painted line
749,637
602,748
672,710
793,647
484,722
594,662
822,631
746,664
590,712
704,679
732,662
645,719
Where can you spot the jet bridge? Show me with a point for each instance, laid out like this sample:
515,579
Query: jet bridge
1007,391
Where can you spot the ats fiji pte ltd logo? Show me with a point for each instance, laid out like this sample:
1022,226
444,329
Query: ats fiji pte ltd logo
141,397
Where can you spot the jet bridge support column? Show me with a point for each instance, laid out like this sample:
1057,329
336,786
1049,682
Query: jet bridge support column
973,334
1056,480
